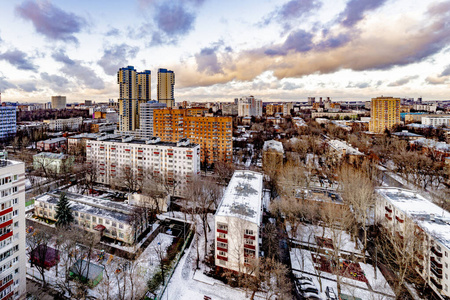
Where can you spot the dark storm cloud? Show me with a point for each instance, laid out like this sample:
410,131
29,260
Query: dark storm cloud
115,57
334,41
76,69
355,10
18,59
51,21
402,81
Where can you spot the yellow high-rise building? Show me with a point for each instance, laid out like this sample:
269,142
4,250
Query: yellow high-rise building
384,114
213,134
134,89
166,81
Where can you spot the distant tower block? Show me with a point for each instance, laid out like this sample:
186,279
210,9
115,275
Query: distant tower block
59,102
166,82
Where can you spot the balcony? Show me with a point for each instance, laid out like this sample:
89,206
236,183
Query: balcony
388,217
222,240
436,283
222,249
437,273
222,257
3,287
246,236
436,263
222,231
436,252
252,247
399,219
388,209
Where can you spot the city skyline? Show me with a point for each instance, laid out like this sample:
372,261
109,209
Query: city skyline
275,50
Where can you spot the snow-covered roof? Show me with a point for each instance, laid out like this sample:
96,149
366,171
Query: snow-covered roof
243,196
340,146
90,205
299,121
427,215
55,140
407,133
273,145
432,144
50,155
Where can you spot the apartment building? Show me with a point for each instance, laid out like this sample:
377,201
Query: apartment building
166,82
13,255
8,125
146,117
213,134
53,162
73,124
176,162
59,102
436,121
134,89
52,144
237,221
272,109
107,218
404,214
384,114
249,107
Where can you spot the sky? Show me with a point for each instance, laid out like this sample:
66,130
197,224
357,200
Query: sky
284,50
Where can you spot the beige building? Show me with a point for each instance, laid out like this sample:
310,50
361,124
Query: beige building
59,102
13,255
134,89
384,114
166,81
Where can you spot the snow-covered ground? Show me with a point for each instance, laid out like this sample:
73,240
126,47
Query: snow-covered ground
376,290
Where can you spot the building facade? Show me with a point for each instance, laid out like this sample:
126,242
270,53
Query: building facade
107,218
213,134
59,102
436,121
249,107
8,125
56,144
134,89
146,117
405,215
166,82
237,221
384,114
53,162
176,162
13,254
73,124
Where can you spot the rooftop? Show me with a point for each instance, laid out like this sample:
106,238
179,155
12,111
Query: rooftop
321,195
273,145
432,144
243,196
91,205
51,155
55,140
427,215
340,146
407,133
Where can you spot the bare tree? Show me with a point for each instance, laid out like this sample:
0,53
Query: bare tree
38,243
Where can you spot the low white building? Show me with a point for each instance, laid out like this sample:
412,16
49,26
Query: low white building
64,124
176,162
107,218
54,162
436,121
237,221
401,211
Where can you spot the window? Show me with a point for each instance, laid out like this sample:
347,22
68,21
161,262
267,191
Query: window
114,224
120,234
248,242
121,226
222,226
107,222
222,253
222,235
94,219
222,245
249,231
100,220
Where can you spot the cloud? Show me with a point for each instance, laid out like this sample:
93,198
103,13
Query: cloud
446,71
54,80
403,81
75,69
51,21
334,41
436,80
289,86
28,87
113,32
5,84
18,59
355,10
387,43
291,11
115,57
207,61
299,41
359,85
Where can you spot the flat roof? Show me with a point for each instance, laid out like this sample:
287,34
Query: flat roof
421,211
243,196
340,145
51,155
144,142
273,145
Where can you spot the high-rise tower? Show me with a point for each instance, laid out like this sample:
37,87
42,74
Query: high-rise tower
166,81
384,114
134,89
